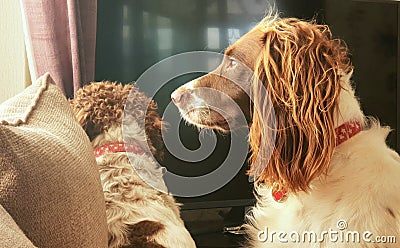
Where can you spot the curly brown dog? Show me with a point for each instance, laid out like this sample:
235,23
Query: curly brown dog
138,215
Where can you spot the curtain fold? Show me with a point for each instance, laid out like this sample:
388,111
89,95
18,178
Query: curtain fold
60,38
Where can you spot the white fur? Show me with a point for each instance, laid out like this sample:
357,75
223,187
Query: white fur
362,184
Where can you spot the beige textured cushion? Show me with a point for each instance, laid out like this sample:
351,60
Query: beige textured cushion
11,235
49,182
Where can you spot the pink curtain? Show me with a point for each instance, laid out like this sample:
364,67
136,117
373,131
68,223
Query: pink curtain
61,39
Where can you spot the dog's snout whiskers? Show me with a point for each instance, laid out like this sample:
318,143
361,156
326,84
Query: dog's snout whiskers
176,96
179,95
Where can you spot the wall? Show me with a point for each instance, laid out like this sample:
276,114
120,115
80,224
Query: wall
14,74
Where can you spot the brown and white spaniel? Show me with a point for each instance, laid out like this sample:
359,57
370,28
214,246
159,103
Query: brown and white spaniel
328,178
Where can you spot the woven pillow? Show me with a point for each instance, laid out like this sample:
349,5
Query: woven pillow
49,182
11,235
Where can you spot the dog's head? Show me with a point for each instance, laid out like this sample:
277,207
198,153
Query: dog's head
208,101
100,106
298,65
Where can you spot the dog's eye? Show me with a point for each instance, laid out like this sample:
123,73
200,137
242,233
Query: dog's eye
232,63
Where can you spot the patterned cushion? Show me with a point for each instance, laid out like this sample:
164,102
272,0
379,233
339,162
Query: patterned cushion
49,182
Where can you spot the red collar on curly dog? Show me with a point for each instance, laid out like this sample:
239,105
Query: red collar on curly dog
118,147
343,133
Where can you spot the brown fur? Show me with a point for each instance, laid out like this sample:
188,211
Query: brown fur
300,67
98,106
141,233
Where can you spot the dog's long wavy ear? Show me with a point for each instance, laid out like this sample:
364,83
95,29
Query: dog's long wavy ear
299,69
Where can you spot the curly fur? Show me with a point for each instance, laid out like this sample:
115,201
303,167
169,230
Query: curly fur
138,215
306,74
101,106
